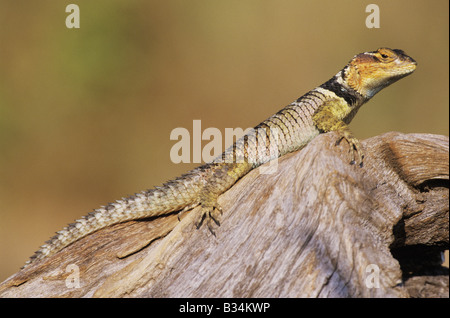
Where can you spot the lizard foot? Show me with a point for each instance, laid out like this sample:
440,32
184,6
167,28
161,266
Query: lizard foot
355,147
211,214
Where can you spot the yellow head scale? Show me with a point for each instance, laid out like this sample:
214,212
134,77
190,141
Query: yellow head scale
369,72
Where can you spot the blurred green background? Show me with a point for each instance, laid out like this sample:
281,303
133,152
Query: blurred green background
86,114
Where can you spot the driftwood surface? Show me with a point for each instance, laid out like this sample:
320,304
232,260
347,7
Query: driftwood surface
314,227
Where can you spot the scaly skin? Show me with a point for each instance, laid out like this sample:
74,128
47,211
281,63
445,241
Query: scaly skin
329,107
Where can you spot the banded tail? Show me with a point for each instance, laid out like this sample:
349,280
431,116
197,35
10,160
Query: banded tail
173,196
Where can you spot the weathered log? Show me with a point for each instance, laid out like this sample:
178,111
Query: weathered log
313,227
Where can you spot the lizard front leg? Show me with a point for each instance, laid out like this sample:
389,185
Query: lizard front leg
328,118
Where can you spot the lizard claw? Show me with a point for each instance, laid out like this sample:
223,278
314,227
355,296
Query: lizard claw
216,214
212,214
355,148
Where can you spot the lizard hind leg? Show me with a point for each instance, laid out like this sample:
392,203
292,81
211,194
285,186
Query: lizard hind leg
218,182
222,177
210,211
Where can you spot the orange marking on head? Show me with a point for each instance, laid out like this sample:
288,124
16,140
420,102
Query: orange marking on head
369,72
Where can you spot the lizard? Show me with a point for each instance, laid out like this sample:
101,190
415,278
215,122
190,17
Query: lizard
328,107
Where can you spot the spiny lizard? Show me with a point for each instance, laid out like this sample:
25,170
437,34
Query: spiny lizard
329,107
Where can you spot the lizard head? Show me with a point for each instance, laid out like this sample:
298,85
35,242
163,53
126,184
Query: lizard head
369,72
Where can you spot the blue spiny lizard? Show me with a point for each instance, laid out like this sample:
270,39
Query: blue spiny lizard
328,107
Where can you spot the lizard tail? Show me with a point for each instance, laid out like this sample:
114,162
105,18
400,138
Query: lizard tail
174,195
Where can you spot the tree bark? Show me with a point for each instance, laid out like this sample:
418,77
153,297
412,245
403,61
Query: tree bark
314,226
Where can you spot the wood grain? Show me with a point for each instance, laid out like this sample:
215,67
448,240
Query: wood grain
315,227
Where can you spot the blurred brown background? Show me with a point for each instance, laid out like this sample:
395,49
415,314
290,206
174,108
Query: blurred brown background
85,114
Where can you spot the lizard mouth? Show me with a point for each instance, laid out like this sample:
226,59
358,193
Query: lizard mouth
410,64
406,66
410,68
